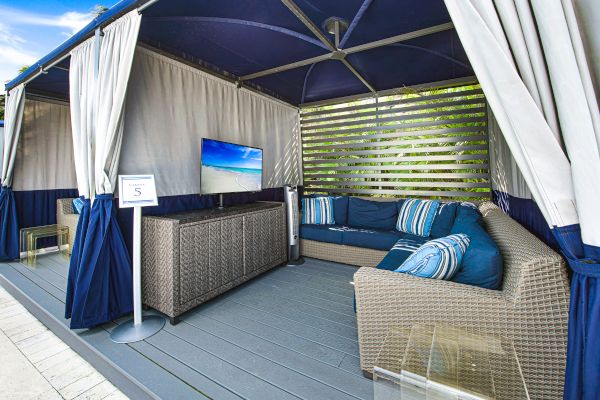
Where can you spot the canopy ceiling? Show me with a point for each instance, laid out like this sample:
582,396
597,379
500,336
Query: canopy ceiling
237,38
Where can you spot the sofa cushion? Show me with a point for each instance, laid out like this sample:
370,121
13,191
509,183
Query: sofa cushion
401,250
317,210
438,258
372,214
340,209
482,262
369,238
416,216
77,204
322,233
442,223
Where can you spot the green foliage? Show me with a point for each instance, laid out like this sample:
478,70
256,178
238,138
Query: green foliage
327,142
2,97
99,10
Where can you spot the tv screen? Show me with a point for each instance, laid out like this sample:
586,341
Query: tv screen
228,167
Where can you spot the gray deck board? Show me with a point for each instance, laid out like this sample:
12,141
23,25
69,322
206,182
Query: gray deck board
288,334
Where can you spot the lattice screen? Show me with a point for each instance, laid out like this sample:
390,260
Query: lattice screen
430,144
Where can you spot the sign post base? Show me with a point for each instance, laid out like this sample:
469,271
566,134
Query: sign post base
129,332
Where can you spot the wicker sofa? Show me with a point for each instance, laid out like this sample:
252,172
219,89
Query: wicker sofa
67,217
531,308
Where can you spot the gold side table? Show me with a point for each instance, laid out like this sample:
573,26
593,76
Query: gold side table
29,239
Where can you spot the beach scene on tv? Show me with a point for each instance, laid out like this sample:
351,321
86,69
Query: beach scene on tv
228,167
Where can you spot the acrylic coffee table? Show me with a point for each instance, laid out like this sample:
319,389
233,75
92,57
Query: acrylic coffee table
435,362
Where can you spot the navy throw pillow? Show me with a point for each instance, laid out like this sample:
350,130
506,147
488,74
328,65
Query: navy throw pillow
482,263
442,224
372,214
340,209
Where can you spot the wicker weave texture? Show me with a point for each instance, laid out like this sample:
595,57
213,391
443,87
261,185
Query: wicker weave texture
185,264
531,308
67,217
340,253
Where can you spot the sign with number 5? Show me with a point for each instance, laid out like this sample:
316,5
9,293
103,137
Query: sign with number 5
137,191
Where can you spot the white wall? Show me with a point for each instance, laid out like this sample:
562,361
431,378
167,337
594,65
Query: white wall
170,107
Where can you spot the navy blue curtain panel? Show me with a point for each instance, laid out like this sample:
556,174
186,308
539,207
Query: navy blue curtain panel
38,207
9,226
583,349
104,282
77,255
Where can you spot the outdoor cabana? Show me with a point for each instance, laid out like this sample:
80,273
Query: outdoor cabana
136,90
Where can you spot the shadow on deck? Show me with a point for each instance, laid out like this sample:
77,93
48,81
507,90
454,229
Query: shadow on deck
287,334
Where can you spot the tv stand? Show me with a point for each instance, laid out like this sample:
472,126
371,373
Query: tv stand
189,258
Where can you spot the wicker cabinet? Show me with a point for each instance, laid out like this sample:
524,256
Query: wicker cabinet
191,257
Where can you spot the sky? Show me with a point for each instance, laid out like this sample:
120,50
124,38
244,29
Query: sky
30,29
220,154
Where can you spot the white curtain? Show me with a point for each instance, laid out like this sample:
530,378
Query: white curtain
45,150
564,188
15,104
504,171
172,106
588,15
82,88
116,57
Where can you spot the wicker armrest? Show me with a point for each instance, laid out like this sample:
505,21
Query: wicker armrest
386,299
64,206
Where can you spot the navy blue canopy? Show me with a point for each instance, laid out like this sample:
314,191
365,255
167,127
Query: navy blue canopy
240,37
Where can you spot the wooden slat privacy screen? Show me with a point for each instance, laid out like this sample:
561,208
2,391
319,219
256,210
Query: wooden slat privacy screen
430,144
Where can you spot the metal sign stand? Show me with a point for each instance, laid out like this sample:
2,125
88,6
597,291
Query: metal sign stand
140,327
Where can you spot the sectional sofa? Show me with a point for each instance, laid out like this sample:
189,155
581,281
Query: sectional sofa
365,230
530,306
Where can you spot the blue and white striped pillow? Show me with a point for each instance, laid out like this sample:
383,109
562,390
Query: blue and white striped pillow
438,258
416,216
317,210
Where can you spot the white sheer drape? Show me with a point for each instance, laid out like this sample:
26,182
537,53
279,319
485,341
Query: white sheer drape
45,151
13,112
555,181
504,171
116,57
82,89
172,106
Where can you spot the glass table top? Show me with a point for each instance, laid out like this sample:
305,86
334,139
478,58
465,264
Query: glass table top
443,362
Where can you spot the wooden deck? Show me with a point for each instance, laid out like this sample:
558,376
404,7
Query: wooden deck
288,334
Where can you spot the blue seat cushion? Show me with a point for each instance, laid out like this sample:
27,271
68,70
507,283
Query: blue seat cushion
401,250
322,233
482,263
444,219
369,238
369,214
438,258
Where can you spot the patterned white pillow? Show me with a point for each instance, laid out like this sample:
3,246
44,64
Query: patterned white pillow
317,211
416,216
438,258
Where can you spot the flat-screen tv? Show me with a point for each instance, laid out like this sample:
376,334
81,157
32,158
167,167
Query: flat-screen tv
229,167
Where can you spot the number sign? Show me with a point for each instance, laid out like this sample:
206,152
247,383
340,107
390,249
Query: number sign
137,191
